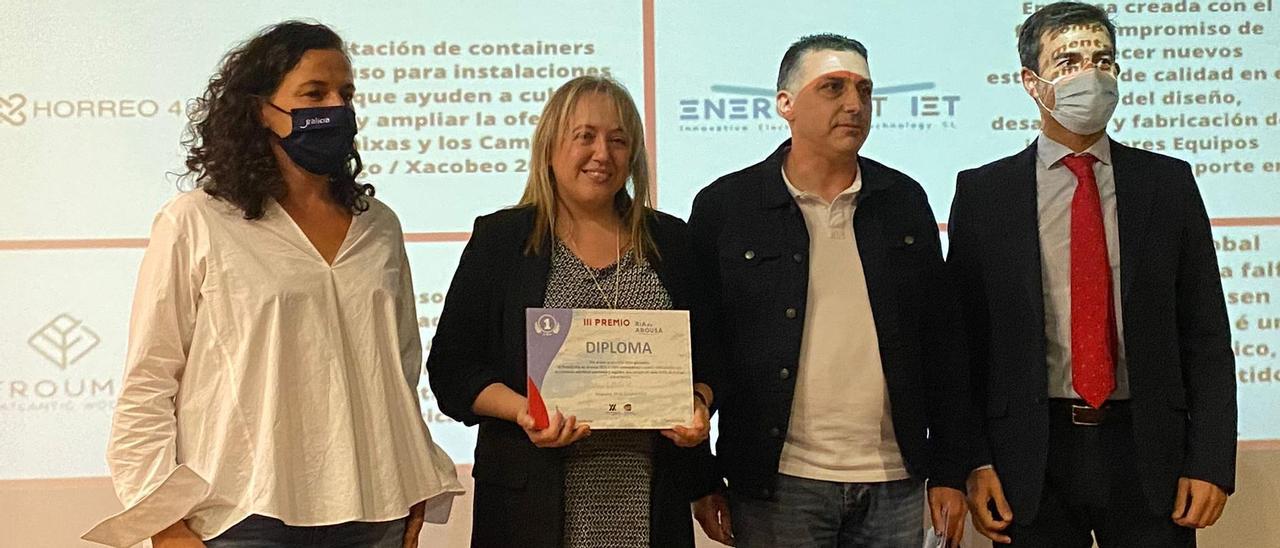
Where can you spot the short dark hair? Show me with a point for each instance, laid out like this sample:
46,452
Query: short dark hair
814,42
1053,18
229,153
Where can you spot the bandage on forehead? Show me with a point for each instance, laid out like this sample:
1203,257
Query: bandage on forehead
831,64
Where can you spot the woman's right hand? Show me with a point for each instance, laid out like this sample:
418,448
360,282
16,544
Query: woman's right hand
558,433
499,401
177,535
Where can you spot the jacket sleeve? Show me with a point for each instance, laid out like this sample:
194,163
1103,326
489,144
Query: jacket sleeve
965,274
1204,341
710,324
703,477
457,367
714,335
947,379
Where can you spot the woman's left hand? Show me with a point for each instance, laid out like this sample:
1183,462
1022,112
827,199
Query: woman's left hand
413,524
694,434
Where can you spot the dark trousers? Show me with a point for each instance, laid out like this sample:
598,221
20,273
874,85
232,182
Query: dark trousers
1092,489
258,531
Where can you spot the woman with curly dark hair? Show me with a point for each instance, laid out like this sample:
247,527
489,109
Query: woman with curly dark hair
270,391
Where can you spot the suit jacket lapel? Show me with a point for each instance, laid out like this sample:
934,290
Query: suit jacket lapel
535,272
671,255
532,272
1133,209
1024,233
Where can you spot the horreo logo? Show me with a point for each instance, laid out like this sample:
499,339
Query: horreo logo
11,109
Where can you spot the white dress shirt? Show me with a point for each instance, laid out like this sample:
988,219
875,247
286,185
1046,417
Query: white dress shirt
1055,188
260,379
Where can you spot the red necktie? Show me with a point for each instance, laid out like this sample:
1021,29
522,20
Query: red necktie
1092,314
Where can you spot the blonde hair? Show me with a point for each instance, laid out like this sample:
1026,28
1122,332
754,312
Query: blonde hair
540,189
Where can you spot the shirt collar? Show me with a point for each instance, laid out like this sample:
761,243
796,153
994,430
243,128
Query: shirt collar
798,194
1050,152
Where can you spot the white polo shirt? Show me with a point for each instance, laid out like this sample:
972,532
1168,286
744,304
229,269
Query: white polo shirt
841,428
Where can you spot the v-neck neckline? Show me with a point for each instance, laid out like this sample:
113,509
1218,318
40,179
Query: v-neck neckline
615,265
310,247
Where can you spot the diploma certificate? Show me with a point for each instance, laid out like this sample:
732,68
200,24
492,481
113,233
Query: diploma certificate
610,368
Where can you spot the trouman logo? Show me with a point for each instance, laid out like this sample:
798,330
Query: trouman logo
890,105
11,109
64,340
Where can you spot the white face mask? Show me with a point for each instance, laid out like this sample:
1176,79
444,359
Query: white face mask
1083,102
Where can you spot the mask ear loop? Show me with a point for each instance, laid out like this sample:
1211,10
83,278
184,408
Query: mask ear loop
1052,86
282,111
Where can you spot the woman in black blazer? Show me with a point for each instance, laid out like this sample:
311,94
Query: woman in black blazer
578,239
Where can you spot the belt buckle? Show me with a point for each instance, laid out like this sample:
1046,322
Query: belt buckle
1084,415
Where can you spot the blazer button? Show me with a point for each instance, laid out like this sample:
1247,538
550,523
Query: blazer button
749,255
791,313
784,374
798,257
909,240
775,432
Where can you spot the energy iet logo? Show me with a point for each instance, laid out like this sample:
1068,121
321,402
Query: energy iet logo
64,341
733,108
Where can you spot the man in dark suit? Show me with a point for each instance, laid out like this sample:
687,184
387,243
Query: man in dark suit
841,395
1097,329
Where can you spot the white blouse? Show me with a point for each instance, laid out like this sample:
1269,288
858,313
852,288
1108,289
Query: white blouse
262,380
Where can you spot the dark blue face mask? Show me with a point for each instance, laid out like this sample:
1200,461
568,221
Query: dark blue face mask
322,137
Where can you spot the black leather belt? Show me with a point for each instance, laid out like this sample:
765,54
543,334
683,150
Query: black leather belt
1083,414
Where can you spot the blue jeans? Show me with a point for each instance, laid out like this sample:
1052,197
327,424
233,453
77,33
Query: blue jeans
816,513
263,532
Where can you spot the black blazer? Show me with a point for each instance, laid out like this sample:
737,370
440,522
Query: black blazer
480,340
1176,334
753,249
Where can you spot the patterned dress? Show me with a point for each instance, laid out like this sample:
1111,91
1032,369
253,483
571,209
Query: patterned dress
607,476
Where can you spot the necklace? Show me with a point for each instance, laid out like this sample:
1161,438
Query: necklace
617,271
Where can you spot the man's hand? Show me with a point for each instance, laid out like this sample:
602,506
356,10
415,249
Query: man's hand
1198,504
946,510
694,433
712,513
985,490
